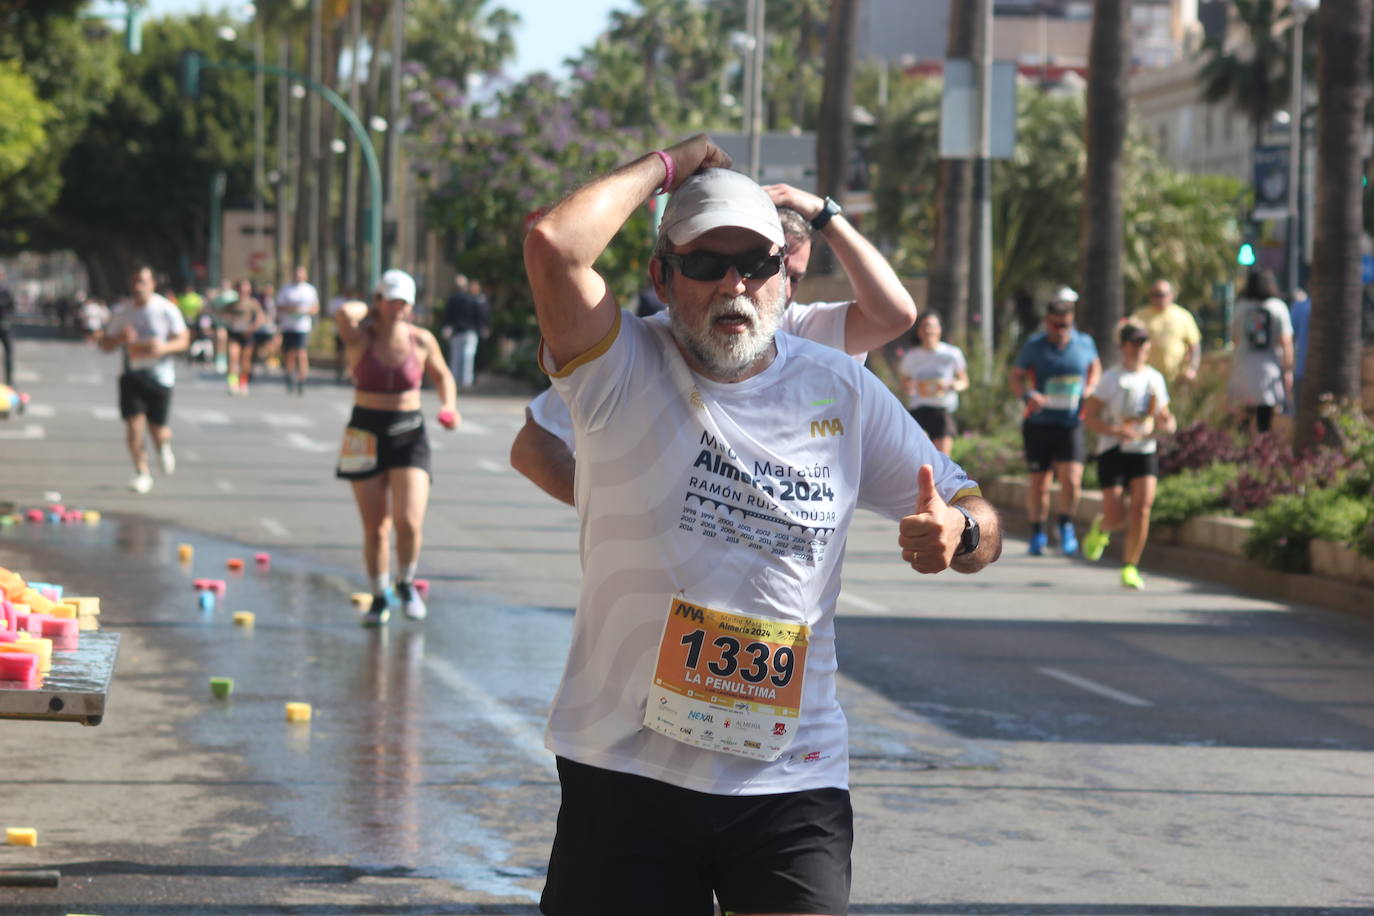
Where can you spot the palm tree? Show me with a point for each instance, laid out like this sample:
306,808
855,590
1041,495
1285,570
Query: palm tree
835,134
1109,55
951,258
1343,86
1253,75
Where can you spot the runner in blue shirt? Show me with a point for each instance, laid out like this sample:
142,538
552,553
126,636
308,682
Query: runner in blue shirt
1055,371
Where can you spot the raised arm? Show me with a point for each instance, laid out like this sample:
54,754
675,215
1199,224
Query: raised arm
885,309
348,321
576,309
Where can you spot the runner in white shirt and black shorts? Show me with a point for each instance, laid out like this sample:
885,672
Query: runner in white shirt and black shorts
701,748
297,305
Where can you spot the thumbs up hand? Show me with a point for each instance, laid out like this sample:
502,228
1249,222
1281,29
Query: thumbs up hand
931,534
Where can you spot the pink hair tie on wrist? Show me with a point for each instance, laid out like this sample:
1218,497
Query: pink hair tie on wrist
669,170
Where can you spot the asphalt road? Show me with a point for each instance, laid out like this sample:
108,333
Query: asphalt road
1029,740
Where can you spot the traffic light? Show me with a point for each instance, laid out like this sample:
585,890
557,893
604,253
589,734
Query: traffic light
190,74
1245,257
133,30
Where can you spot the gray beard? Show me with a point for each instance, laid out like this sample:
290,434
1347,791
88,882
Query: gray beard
725,357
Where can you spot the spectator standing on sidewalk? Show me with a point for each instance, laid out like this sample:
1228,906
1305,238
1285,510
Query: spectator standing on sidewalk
1055,370
1175,341
465,323
6,312
297,305
1130,405
1262,360
149,329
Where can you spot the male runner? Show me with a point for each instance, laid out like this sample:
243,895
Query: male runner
700,746
149,329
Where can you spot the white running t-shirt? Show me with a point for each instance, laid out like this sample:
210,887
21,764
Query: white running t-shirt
158,319
933,370
1127,395
293,303
734,497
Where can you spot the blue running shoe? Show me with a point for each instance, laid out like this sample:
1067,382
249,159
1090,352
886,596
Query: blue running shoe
1039,540
1068,541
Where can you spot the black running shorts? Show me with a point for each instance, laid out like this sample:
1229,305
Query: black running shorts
378,440
630,846
141,393
1048,444
1116,468
936,421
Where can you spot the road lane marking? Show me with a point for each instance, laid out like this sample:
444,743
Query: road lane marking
487,464
30,431
274,527
287,421
864,604
27,376
204,415
1094,687
105,412
84,378
224,486
526,738
46,411
305,443
475,429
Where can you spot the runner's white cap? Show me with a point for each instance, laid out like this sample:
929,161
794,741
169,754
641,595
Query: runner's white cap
715,198
1064,294
397,284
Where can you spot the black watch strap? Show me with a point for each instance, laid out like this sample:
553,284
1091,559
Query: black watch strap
969,542
829,210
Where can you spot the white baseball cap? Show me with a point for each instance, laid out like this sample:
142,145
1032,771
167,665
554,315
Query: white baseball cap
397,284
715,198
1064,294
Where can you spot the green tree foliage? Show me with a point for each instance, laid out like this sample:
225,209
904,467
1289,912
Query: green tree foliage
22,114
1252,74
459,39
136,185
72,66
1177,226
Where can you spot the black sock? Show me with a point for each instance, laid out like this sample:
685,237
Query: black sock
1064,519
1037,527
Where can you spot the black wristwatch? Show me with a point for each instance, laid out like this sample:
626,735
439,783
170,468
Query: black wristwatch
969,542
829,210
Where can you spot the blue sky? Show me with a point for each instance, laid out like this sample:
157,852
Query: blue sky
551,29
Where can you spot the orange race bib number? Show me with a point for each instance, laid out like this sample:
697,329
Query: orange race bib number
728,682
359,452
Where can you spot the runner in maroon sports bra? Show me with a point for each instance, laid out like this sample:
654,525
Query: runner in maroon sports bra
385,451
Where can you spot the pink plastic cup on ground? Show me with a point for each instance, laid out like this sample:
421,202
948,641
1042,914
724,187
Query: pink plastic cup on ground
422,586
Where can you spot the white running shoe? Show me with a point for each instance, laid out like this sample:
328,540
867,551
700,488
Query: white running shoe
412,605
166,459
142,482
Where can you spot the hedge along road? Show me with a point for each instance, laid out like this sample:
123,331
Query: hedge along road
1031,739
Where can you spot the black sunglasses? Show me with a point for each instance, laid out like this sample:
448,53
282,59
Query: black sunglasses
711,265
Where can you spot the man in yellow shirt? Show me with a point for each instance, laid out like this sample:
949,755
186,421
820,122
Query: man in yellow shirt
1177,343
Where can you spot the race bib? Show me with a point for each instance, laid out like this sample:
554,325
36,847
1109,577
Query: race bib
930,387
1062,392
359,452
728,682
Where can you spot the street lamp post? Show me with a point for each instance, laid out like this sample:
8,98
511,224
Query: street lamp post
1301,10
218,181
374,170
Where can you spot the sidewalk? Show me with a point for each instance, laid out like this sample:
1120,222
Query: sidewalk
1187,551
